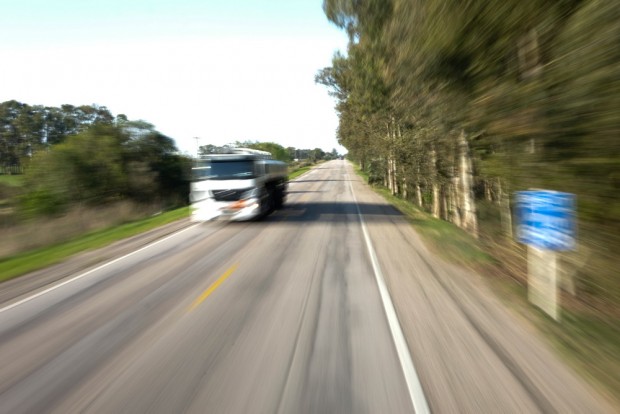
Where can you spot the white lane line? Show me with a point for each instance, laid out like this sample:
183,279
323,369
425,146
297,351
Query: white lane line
414,386
80,276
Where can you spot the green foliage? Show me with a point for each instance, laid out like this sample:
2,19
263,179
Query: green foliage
86,168
106,163
41,202
296,172
26,130
317,154
154,170
277,151
11,180
208,149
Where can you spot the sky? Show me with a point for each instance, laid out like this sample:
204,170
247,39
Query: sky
202,71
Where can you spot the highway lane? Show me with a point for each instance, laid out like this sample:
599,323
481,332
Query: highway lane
295,324
280,316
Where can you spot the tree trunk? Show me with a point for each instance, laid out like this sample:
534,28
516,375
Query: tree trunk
528,51
390,174
395,176
418,195
418,188
435,185
394,183
445,197
504,208
488,194
399,184
455,214
436,204
468,205
391,134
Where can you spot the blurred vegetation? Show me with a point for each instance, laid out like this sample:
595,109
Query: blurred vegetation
83,155
28,129
105,164
288,154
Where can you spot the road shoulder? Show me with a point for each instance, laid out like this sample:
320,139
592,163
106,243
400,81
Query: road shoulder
16,289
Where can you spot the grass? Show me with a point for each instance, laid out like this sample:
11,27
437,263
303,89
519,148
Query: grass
39,258
22,235
443,238
297,172
590,344
11,180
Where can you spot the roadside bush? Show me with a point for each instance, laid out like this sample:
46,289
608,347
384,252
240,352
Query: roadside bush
41,202
103,165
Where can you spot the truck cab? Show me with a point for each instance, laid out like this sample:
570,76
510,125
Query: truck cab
241,184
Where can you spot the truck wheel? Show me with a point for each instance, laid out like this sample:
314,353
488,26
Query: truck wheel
268,203
278,199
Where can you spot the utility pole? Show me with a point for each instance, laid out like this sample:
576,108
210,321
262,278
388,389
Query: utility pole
197,146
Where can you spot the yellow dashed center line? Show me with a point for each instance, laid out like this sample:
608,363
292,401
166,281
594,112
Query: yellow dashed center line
211,288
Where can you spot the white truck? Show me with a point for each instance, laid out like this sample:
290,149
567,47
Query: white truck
240,184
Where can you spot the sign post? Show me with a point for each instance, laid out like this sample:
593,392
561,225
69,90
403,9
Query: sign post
546,223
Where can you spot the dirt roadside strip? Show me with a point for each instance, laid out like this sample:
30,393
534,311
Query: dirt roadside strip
17,288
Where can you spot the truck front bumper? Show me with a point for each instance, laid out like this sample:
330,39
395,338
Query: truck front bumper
241,210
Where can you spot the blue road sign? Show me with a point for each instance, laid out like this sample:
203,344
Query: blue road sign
546,219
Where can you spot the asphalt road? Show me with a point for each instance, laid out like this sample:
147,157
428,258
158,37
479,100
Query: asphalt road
331,305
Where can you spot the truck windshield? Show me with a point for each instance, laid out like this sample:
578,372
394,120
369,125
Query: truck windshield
223,170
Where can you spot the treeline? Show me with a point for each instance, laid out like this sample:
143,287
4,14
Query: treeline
288,154
104,164
85,156
27,129
455,105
